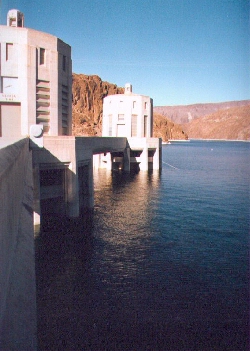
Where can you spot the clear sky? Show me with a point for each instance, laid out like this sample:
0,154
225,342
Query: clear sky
176,51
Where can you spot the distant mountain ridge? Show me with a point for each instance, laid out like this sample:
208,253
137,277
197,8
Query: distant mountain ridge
185,113
229,124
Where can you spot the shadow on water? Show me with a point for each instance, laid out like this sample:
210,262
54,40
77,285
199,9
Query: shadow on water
104,282
63,252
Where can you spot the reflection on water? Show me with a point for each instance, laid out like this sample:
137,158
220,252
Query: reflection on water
159,265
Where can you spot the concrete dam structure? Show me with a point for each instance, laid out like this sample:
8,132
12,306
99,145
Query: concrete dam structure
43,168
57,178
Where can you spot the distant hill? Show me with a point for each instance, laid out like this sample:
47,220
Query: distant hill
88,92
230,124
186,113
166,129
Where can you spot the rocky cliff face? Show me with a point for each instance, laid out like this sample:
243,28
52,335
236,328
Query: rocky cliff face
164,128
88,93
229,124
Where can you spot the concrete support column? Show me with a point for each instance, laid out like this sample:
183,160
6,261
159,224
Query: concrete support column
160,156
36,199
72,191
156,158
144,159
126,160
109,158
97,161
91,185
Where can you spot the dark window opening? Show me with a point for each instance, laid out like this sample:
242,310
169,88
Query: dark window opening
135,153
64,63
42,56
9,51
51,177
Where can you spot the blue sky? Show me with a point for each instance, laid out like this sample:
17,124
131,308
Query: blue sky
176,51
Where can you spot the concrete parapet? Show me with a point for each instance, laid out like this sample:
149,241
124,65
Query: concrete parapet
17,258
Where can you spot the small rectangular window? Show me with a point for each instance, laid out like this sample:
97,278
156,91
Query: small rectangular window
134,126
50,177
145,105
134,104
9,51
120,117
42,56
110,126
145,132
64,63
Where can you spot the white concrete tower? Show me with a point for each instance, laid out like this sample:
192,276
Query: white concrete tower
15,18
35,81
128,88
128,115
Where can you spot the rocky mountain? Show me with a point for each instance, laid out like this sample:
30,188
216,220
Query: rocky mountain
88,93
229,124
187,113
87,97
166,129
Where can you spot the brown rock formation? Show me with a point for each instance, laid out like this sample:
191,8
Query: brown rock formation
164,128
229,124
87,95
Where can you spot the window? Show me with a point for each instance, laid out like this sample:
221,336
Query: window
145,105
134,104
50,177
64,63
134,126
42,56
121,117
9,51
110,126
12,22
145,126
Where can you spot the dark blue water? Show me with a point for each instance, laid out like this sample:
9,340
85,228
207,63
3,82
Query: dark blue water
162,264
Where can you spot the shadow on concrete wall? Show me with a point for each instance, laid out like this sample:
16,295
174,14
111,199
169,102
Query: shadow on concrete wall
60,192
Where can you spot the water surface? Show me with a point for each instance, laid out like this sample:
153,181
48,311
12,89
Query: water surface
161,265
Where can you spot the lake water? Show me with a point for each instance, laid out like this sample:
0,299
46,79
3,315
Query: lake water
163,263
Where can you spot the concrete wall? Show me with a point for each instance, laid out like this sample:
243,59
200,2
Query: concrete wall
17,258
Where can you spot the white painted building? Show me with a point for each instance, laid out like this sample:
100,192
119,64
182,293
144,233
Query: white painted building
35,81
128,115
